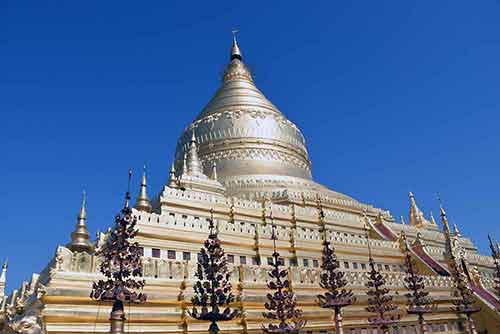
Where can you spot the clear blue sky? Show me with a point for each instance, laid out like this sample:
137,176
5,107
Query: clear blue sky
392,96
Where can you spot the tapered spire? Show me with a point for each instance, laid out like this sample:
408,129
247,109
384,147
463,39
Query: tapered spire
3,280
3,275
450,250
416,215
193,163
80,237
235,49
457,231
402,220
184,165
494,251
214,171
433,221
142,202
444,221
172,179
237,71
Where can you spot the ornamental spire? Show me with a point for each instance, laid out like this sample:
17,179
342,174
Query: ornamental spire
433,221
446,230
172,180
80,237
235,50
214,171
444,221
142,202
3,275
184,164
236,70
3,280
193,164
416,215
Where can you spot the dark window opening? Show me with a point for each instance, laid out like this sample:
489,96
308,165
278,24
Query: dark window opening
171,254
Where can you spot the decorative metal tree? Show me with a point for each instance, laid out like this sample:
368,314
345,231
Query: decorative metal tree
121,266
465,302
419,301
496,259
281,302
332,279
379,300
213,288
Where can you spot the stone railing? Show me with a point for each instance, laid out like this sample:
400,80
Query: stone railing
284,210
337,237
483,260
199,224
474,259
155,268
436,252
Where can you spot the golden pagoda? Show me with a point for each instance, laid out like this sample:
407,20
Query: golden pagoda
243,159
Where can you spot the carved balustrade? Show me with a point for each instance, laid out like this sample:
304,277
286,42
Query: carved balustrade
164,269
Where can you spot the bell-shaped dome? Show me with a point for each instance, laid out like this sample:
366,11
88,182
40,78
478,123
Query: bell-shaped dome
256,148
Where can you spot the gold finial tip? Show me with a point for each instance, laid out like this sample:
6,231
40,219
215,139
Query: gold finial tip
83,208
235,50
